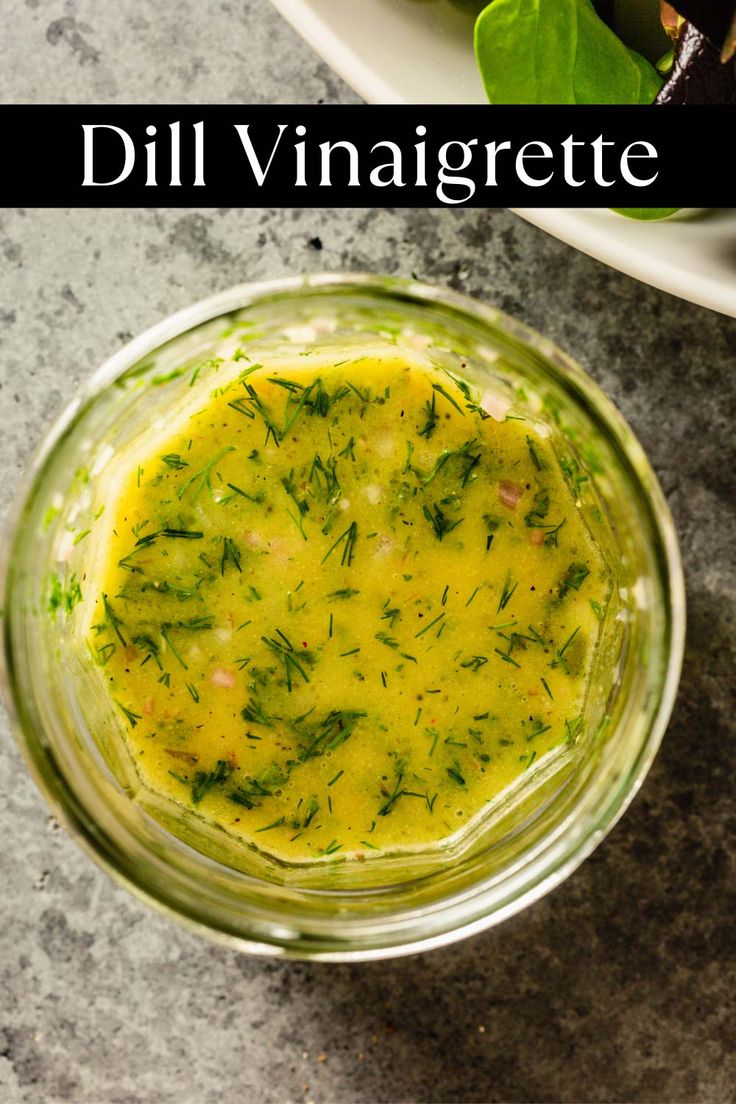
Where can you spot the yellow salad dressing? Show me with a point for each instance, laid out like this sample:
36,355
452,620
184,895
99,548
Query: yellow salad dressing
340,608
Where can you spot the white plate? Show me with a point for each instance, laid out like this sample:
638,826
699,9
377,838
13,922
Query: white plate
691,255
420,51
395,51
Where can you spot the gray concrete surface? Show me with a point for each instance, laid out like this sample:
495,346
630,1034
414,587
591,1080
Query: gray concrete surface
157,51
617,987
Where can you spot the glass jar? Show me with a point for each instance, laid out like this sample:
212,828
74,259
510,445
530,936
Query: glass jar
537,834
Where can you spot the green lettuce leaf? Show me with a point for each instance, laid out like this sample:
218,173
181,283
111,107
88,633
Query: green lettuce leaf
646,214
557,52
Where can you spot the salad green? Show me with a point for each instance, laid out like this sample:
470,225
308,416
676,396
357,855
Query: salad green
558,52
646,214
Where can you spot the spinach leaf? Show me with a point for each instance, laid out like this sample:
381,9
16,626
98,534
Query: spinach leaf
646,214
557,52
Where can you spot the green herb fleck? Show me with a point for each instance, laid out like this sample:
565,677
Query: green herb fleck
573,578
230,555
113,620
131,717
204,781
540,508
439,521
203,477
560,659
350,537
455,774
539,464
506,594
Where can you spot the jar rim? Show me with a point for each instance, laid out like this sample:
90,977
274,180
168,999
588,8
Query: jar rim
461,915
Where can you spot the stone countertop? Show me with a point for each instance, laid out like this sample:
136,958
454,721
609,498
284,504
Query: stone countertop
619,986
149,51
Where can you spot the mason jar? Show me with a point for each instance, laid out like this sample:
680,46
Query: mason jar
531,837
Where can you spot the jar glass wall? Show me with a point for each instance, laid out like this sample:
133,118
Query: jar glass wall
536,833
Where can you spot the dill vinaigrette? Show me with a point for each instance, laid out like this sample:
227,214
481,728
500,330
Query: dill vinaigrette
341,608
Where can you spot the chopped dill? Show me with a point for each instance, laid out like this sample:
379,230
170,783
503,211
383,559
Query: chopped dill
243,494
149,646
439,521
431,417
540,508
230,555
472,596
537,461
173,460
445,394
560,659
241,407
475,662
181,534
573,473
312,810
287,482
506,594
204,781
538,730
255,713
330,733
131,717
573,578
288,385
284,650
113,620
551,535
273,824
349,450
350,537
396,794
429,626
468,462
203,478
66,594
